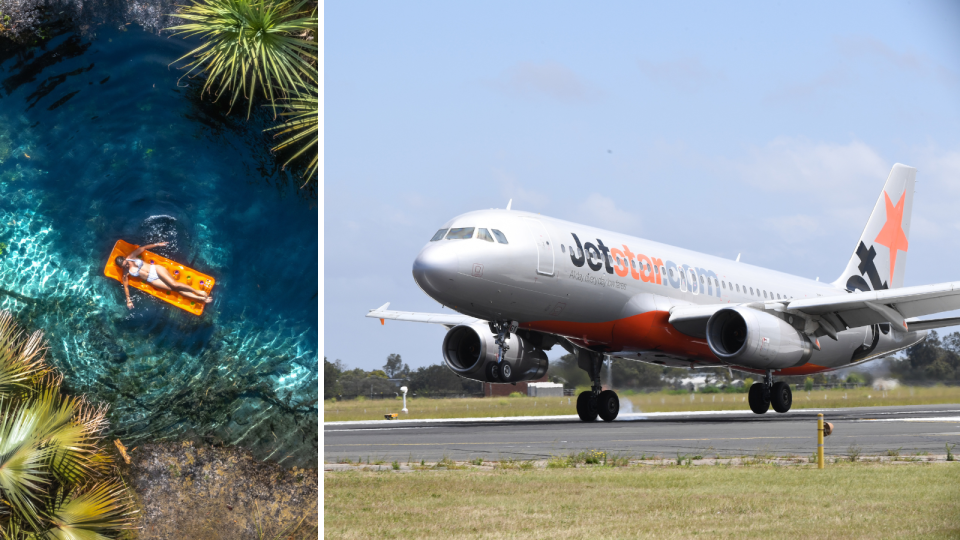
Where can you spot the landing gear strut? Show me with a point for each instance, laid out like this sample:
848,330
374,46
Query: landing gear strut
501,371
766,393
596,402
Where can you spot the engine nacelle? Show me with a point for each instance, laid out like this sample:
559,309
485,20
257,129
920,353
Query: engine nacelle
747,337
470,350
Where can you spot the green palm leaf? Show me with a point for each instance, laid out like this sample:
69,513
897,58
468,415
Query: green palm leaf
84,515
250,44
303,124
21,362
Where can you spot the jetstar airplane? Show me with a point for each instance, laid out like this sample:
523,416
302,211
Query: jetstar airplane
523,283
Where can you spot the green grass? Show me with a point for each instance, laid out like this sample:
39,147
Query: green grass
848,500
665,401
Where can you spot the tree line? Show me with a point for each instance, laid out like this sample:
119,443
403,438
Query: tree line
436,380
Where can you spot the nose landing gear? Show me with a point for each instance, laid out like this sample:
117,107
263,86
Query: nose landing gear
596,402
766,393
501,371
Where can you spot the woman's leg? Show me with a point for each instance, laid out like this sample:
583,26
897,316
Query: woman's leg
175,285
159,284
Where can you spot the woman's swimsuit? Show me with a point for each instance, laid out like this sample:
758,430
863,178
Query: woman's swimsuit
135,272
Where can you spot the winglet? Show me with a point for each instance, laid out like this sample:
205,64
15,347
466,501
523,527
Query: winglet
509,204
381,308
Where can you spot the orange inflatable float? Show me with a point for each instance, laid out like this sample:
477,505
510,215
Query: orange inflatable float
183,274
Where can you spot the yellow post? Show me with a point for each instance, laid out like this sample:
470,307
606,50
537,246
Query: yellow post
820,440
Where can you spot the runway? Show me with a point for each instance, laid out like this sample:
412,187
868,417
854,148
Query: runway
875,430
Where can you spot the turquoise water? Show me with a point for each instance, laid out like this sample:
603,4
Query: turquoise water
99,141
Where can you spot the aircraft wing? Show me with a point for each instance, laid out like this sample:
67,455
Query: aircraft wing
446,319
889,305
895,306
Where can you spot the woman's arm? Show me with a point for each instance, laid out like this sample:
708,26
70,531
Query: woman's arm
126,291
141,249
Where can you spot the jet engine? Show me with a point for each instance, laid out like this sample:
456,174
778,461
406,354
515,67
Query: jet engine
469,350
747,337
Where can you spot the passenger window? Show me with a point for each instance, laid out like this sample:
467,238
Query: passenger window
439,235
701,278
671,273
778,296
738,287
499,236
764,294
724,283
482,234
460,233
751,290
663,270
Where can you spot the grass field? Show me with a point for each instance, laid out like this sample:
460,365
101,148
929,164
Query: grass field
424,408
852,500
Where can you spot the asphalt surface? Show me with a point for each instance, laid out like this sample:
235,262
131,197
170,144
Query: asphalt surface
874,430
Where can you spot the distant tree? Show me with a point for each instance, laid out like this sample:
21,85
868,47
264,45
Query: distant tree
932,360
439,379
331,378
565,371
631,374
395,368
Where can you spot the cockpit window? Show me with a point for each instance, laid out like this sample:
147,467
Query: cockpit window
499,236
482,234
460,233
439,235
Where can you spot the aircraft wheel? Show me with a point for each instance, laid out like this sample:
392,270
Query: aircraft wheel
493,372
587,407
781,397
506,372
609,405
755,397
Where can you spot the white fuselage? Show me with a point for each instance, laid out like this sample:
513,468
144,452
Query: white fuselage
611,292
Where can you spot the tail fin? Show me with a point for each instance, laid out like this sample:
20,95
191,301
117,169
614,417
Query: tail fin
880,258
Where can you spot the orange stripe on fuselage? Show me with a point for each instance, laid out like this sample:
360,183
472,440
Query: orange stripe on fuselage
650,331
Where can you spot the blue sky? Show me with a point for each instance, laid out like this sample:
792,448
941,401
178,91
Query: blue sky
760,129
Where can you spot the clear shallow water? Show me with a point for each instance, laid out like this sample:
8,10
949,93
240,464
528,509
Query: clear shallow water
98,141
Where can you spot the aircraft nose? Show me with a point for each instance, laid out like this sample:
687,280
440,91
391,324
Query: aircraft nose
435,270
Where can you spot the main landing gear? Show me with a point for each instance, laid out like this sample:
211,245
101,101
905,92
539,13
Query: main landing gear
596,402
766,393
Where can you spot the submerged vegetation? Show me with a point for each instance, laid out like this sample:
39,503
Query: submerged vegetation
260,46
56,479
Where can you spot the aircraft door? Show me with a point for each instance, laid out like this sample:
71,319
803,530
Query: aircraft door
544,248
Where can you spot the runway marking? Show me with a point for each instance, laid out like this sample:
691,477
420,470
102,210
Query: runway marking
940,419
797,413
544,442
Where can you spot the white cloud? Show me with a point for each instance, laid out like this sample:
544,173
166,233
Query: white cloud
797,164
602,212
523,198
549,79
684,73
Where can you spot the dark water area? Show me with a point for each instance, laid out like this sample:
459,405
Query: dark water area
100,141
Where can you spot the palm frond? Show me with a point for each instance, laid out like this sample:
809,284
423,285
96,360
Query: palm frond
83,515
250,43
304,122
21,361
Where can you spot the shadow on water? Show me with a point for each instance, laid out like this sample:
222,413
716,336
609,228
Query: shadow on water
99,141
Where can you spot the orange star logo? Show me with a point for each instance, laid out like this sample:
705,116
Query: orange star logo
892,235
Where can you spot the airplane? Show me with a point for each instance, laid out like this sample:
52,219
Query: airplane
522,283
